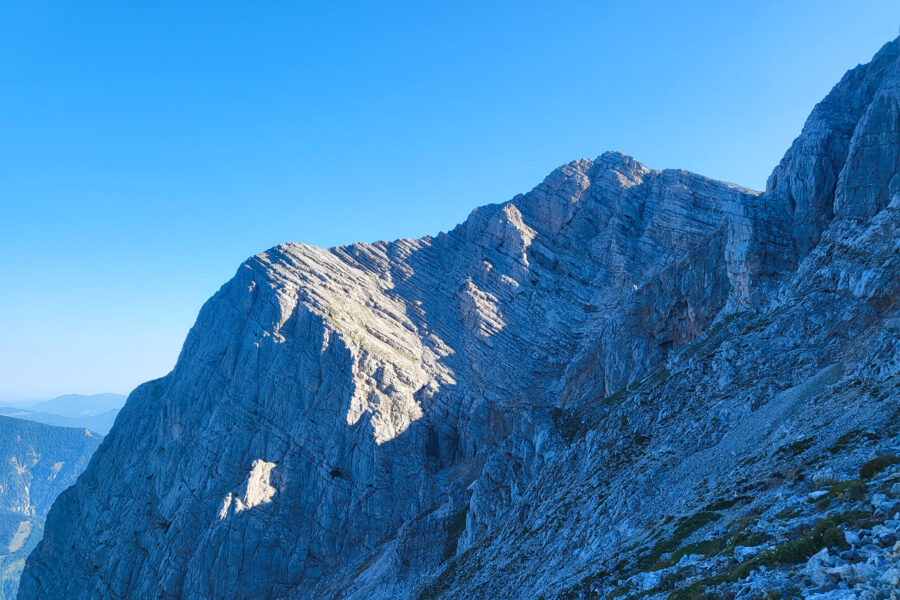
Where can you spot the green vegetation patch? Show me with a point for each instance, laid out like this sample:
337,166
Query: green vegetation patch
737,535
788,513
796,448
854,489
569,423
852,439
684,529
877,465
825,533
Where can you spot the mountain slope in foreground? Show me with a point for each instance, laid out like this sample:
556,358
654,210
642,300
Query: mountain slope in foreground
625,383
39,462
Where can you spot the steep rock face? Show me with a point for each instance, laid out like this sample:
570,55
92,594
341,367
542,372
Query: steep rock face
373,377
362,421
806,179
39,462
735,437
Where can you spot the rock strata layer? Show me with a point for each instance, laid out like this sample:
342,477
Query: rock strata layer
550,400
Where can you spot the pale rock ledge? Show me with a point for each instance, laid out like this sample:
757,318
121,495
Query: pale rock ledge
257,490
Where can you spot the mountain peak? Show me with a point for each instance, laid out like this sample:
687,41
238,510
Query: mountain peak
616,383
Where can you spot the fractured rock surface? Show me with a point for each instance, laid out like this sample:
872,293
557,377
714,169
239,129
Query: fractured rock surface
517,408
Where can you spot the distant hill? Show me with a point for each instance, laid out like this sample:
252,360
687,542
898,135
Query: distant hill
626,383
97,412
78,405
100,423
37,462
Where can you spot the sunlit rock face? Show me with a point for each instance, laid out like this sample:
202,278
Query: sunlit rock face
498,410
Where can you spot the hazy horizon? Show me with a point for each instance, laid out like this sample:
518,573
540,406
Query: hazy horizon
19,402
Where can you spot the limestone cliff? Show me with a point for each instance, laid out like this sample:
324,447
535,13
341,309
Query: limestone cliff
513,409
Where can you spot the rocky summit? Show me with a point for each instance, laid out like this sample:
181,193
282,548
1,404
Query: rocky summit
625,383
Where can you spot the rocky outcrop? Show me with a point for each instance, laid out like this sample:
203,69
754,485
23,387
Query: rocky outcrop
829,151
40,461
512,408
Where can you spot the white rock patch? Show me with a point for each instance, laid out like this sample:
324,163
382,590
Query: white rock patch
256,490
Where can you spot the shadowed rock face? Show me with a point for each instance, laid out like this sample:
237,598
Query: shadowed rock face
431,417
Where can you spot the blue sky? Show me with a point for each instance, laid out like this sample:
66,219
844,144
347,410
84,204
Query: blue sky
147,148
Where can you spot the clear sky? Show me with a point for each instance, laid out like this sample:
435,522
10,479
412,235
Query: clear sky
147,148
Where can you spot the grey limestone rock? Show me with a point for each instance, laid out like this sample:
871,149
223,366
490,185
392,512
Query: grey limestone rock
515,408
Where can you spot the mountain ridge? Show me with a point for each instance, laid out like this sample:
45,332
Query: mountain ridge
96,412
382,420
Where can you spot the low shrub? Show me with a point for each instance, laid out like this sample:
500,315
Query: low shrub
877,465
